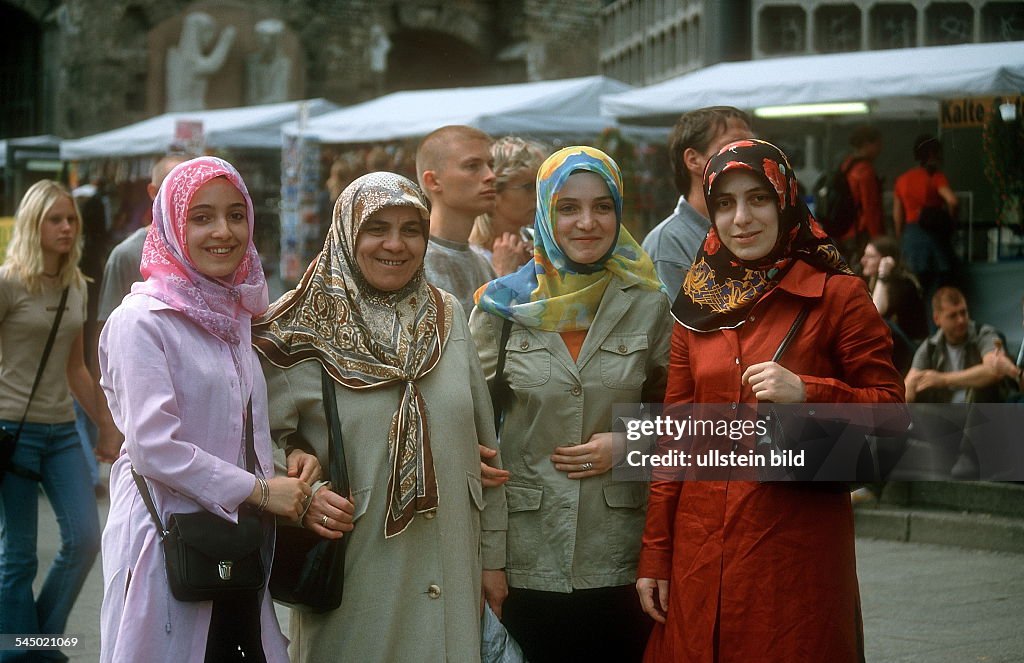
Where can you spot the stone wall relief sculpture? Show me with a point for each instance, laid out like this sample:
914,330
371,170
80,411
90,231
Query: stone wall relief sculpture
267,69
189,65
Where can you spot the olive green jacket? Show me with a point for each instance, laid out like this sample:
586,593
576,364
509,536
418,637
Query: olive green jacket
566,534
414,596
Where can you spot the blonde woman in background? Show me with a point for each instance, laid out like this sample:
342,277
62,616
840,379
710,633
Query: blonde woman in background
42,261
496,235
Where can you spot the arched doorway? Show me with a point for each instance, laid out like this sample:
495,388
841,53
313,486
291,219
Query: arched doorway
424,59
21,73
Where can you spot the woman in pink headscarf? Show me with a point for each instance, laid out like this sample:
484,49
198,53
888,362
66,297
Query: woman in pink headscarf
178,371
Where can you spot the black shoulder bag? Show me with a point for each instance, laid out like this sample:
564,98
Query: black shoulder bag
775,440
8,440
208,557
309,571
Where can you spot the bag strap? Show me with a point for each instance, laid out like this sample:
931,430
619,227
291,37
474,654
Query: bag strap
337,466
46,356
250,445
147,497
797,323
499,386
18,470
250,462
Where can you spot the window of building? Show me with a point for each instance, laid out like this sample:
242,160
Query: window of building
949,23
782,30
893,26
1003,21
837,29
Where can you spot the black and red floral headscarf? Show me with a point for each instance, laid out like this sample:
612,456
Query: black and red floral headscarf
719,289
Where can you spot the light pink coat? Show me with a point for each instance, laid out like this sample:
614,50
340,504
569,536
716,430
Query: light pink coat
174,392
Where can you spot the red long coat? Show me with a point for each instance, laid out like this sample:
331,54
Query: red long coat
767,572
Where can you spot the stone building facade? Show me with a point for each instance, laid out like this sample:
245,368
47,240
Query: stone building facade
78,67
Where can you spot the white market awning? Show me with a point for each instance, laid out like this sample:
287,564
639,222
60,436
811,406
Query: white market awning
250,127
931,73
564,108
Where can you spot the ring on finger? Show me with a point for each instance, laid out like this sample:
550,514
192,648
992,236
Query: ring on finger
323,521
588,466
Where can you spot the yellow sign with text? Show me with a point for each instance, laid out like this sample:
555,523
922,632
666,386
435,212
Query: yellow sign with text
974,111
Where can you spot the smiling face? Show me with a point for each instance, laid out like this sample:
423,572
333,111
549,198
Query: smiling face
746,215
217,228
585,222
58,229
390,247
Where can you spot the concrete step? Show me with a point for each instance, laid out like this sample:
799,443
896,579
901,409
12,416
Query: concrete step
999,499
980,531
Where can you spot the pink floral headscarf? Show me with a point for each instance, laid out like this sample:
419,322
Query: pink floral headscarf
224,308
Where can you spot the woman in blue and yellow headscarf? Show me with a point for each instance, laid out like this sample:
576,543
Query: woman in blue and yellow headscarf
582,327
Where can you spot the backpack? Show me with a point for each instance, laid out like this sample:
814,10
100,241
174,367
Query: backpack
836,209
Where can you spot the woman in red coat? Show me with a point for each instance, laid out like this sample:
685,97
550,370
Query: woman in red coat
739,571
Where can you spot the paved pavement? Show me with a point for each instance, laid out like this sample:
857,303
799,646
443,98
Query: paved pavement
922,603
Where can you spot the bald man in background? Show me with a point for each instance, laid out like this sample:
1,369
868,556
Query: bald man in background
122,268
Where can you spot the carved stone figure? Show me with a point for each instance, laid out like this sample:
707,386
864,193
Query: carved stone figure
267,70
188,68
378,49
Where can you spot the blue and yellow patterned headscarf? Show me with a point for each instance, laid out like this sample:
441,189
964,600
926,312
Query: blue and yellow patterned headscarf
551,292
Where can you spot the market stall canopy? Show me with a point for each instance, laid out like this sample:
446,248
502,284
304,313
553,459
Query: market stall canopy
933,73
567,107
250,127
20,149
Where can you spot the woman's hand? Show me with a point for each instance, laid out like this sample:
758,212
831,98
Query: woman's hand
771,382
653,597
886,266
600,454
330,515
490,477
494,590
304,466
287,497
108,446
509,252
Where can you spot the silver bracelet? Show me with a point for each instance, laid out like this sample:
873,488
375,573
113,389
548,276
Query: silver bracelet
264,494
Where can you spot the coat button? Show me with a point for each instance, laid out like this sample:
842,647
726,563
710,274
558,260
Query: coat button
737,361
524,345
429,515
576,390
434,592
622,349
733,406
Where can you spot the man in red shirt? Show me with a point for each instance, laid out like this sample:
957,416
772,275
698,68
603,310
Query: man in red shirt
866,188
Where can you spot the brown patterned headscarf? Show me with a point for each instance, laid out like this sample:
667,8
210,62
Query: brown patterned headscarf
720,289
369,339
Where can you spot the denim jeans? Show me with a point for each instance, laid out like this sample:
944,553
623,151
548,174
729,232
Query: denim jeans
54,451
87,435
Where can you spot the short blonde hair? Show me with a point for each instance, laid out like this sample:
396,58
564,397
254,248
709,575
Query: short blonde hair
512,155
434,151
25,252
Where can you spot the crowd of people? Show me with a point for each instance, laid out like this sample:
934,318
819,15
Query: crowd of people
480,327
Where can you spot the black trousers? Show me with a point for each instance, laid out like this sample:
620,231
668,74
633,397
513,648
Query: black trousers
592,625
235,631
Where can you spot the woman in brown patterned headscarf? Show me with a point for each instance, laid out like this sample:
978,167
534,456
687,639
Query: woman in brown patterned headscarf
413,408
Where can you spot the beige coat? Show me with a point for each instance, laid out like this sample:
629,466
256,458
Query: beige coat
416,596
566,534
